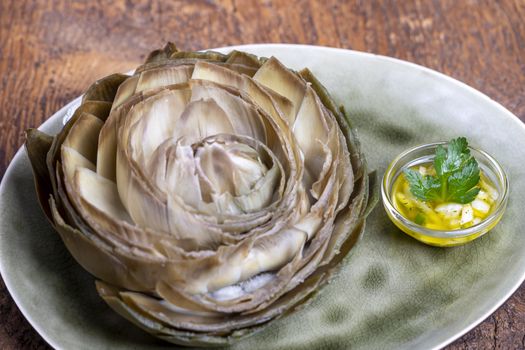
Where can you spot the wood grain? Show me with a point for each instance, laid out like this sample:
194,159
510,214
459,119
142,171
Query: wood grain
50,51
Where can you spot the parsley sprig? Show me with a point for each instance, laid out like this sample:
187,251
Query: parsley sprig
456,179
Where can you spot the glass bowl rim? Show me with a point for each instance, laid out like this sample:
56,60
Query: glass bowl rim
496,214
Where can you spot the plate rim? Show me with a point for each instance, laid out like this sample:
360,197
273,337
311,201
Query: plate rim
277,46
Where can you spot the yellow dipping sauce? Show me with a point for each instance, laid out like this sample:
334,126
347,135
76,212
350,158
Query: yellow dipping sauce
443,215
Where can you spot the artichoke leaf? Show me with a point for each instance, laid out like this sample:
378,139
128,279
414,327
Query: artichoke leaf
373,192
234,264
104,89
237,171
103,261
106,156
71,160
311,132
205,321
100,109
83,136
217,74
173,171
343,120
244,118
200,119
280,138
262,192
144,206
346,172
347,230
96,198
37,146
222,75
348,219
152,121
180,337
261,158
184,224
280,79
100,193
162,54
161,77
239,57
125,90
207,55
125,236
105,214
312,255
317,183
302,266
239,68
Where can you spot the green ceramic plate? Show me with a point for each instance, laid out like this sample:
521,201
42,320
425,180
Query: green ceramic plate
393,293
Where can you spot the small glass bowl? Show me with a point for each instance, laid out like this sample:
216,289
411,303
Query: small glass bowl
444,238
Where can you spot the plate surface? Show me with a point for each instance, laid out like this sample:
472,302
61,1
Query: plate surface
392,293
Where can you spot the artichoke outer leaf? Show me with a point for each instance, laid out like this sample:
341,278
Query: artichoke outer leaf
320,90
98,261
102,258
207,55
373,196
154,327
162,54
104,89
38,145
247,59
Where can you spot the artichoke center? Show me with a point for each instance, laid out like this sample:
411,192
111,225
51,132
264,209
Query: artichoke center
232,168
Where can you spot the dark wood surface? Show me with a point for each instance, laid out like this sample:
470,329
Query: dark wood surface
50,51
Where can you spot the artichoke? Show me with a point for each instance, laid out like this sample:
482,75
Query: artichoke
208,194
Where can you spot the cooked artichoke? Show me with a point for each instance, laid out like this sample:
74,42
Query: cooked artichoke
209,194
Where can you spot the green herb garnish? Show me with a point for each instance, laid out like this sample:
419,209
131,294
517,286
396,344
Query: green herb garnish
419,219
457,175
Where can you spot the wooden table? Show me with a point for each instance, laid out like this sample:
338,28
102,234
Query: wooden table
50,51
